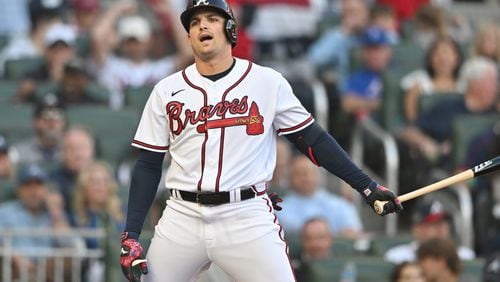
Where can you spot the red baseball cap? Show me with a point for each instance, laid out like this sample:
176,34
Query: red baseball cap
86,5
430,212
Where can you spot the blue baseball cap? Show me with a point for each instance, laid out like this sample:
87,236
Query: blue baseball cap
31,173
375,36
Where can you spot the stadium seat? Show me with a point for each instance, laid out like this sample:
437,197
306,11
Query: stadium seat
340,246
465,128
19,68
95,90
367,269
392,116
381,244
8,89
113,130
407,56
15,121
136,97
4,40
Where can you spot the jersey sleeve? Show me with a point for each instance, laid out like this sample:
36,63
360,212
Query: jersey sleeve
152,132
290,116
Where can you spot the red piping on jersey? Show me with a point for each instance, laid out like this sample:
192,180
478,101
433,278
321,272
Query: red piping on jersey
203,146
221,145
161,148
295,127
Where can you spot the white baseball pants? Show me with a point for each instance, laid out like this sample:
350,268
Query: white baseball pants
244,239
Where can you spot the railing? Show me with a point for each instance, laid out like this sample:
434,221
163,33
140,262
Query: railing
390,178
75,251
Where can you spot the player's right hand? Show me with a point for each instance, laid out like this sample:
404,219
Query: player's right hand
132,259
375,192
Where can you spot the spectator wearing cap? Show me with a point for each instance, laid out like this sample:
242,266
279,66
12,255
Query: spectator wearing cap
44,148
133,39
35,207
7,170
27,41
75,86
362,91
59,40
86,13
430,221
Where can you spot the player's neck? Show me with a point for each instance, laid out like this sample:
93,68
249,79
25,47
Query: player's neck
215,65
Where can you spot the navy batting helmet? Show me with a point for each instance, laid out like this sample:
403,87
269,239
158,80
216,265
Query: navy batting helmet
219,5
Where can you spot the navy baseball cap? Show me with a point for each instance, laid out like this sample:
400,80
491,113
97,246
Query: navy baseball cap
375,36
430,212
49,107
31,173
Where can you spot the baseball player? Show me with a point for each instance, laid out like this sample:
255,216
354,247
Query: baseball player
219,119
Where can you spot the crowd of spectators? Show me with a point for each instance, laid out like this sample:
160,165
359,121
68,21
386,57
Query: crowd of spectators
434,64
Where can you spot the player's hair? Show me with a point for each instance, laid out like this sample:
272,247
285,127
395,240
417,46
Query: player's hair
113,206
441,249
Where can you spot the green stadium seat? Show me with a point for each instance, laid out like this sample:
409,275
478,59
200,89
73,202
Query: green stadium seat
392,101
4,40
16,121
136,97
8,89
465,128
17,69
95,90
407,56
113,130
367,269
381,244
472,270
340,246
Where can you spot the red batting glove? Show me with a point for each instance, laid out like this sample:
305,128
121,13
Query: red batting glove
132,259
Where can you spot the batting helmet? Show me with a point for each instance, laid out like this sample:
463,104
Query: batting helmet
219,5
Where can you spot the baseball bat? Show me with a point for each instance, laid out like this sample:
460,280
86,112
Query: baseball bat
480,169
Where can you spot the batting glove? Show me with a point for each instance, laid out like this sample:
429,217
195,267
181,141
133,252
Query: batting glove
132,259
275,199
378,192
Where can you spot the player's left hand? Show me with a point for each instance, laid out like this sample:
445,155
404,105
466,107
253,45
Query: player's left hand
275,200
378,192
132,259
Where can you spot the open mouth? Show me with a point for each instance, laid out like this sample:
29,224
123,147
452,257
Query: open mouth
205,37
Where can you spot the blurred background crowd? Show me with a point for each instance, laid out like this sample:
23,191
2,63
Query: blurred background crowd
409,88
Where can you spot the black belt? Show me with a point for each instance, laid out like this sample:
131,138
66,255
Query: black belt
213,198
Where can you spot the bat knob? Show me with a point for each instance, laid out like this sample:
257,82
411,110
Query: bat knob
378,206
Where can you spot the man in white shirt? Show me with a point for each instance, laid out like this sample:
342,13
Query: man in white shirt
430,221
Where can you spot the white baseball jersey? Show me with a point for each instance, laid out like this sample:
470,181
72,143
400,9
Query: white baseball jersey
221,135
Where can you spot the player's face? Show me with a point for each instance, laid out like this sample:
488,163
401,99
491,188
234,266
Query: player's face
206,35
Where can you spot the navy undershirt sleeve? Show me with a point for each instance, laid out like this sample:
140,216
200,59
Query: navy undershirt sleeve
323,150
143,186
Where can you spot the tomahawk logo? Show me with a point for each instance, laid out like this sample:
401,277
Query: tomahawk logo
204,2
481,166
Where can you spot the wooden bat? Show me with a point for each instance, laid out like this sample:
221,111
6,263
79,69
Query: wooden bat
480,169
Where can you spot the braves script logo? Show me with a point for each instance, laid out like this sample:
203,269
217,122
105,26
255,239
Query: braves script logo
178,122
481,166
